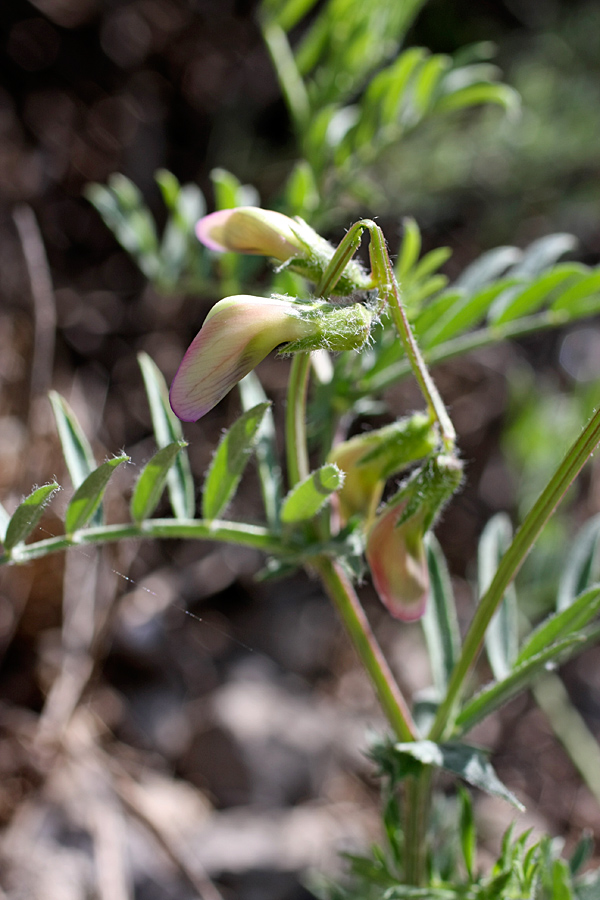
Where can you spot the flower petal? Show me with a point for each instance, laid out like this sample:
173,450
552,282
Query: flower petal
396,558
237,334
249,229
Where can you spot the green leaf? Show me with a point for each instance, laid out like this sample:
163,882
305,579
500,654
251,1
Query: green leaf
469,763
466,312
502,635
409,248
302,192
527,300
476,94
580,298
167,429
230,192
582,852
404,892
498,693
27,515
487,268
306,499
269,469
562,624
75,446
151,483
440,624
544,252
230,460
468,836
583,563
88,496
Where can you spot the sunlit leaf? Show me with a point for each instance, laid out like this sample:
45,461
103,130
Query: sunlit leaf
88,496
309,496
75,445
167,429
562,624
27,515
440,623
469,763
495,695
502,635
151,483
230,460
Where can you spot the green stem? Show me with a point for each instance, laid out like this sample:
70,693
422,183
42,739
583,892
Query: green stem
417,803
295,419
344,597
575,458
195,529
384,274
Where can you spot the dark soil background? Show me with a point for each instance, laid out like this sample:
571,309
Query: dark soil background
211,742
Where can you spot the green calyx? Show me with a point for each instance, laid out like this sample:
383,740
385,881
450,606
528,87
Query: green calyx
334,328
429,489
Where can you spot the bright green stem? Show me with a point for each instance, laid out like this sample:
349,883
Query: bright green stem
295,419
383,277
417,803
483,337
344,597
510,563
383,271
192,529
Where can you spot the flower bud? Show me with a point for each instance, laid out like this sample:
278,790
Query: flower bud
263,232
236,335
249,229
395,550
397,560
370,459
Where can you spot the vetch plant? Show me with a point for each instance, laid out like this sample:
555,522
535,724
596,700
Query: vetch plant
358,506
332,521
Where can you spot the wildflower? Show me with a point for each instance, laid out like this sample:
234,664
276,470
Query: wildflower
240,331
396,557
263,232
395,542
248,229
236,335
370,459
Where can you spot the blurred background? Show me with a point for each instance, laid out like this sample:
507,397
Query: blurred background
212,743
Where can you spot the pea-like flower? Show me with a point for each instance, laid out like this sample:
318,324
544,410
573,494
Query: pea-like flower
237,334
292,242
369,459
249,229
240,331
396,557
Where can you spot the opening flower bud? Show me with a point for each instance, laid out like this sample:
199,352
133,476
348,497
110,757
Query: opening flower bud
370,459
249,229
236,335
396,557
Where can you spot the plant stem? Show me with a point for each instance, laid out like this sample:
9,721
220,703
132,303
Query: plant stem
475,340
417,802
383,272
295,419
344,597
192,529
575,458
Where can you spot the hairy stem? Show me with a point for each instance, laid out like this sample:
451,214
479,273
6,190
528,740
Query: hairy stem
344,597
255,536
295,419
